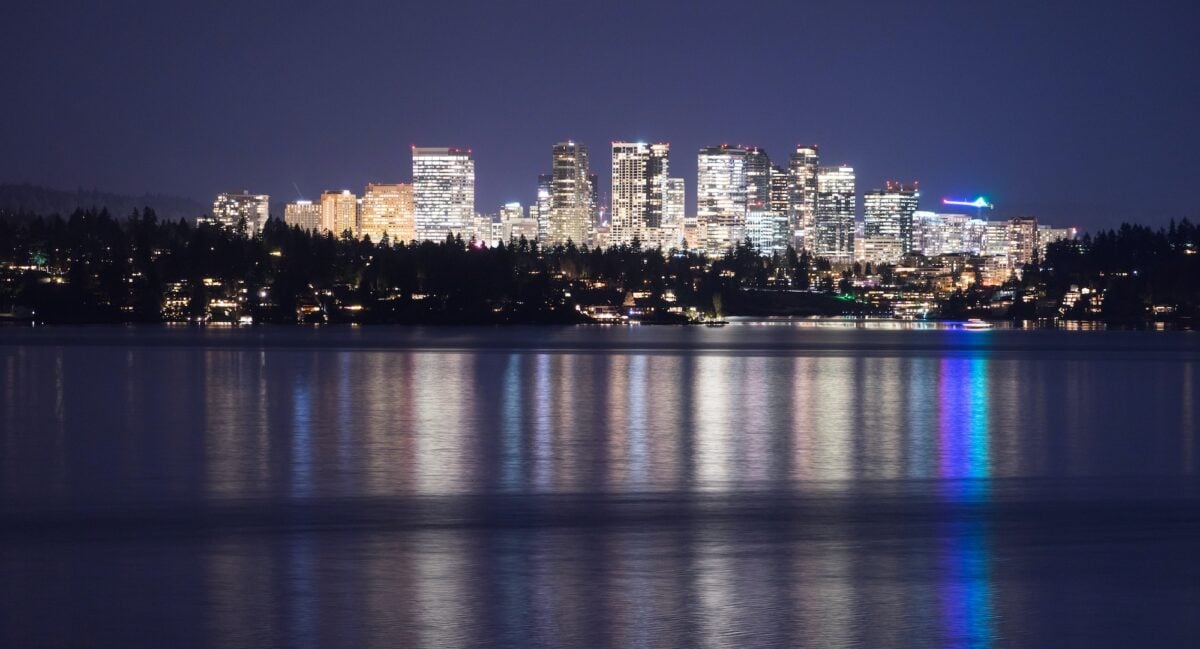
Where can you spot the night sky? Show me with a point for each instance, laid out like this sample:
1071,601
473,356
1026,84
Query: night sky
1081,114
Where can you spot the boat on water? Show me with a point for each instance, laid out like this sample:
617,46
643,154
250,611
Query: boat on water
975,324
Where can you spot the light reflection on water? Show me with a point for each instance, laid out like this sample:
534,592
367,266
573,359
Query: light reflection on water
922,489
965,588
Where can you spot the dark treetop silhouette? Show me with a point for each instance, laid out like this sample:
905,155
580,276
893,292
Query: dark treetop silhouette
91,267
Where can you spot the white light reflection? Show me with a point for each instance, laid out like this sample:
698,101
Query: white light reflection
511,424
713,426
443,391
543,421
635,421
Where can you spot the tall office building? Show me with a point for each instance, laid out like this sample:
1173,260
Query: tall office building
388,209
339,212
541,208
833,223
303,214
758,179
779,192
674,206
594,211
657,177
721,197
571,197
889,212
974,235
629,199
229,210
943,234
995,239
803,167
639,192
767,230
443,192
1022,240
925,231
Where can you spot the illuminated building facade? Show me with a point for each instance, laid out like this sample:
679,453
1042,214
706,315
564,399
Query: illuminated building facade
804,168
483,230
1048,235
640,181
833,226
995,239
674,213
339,212
511,212
572,197
721,197
630,192
514,224
388,209
889,213
767,230
758,179
1022,240
779,192
878,249
229,209
545,198
305,215
443,191
942,234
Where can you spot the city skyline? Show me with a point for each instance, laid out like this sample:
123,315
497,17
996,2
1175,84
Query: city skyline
797,160
741,195
1027,105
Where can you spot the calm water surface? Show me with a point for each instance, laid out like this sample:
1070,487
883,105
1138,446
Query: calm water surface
598,487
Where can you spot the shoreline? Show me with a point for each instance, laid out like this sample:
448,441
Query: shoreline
813,322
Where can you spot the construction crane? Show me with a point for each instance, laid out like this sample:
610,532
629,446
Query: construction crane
979,204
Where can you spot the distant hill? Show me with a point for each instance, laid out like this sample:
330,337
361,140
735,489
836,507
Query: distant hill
15,198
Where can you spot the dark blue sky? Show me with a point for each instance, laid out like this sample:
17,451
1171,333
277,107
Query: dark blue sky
1082,114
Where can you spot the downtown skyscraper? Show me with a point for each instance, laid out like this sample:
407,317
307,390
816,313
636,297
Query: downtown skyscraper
834,219
443,191
674,213
779,194
642,192
758,179
387,208
767,214
721,197
572,196
339,212
540,210
1022,240
888,213
803,167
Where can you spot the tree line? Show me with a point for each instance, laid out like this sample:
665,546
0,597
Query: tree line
92,267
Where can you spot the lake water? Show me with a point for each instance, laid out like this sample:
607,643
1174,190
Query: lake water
747,486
